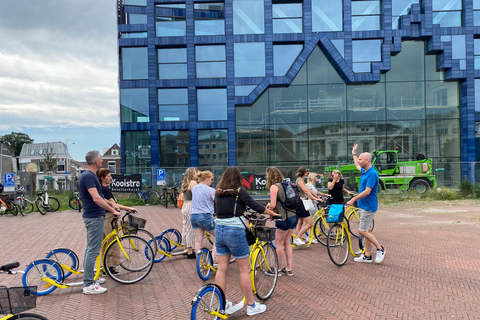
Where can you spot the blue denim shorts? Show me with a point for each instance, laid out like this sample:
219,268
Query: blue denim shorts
202,220
290,223
231,240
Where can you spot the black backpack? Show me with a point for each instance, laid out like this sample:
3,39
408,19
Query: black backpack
292,195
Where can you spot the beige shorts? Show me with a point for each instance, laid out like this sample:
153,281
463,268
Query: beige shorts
366,219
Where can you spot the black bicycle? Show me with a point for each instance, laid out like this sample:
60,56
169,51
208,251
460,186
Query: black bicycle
75,202
169,196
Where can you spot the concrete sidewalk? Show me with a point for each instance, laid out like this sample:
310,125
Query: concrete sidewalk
431,271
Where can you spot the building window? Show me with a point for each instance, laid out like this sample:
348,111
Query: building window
364,53
170,20
327,15
112,166
131,35
248,17
206,158
476,51
134,144
287,17
134,63
447,13
400,8
133,18
477,95
209,18
173,151
365,15
284,56
136,3
476,13
172,63
114,152
134,105
210,61
173,104
249,59
60,166
212,104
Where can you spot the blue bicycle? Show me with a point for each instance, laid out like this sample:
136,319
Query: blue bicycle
150,197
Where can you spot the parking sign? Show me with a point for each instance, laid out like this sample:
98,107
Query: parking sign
9,182
160,177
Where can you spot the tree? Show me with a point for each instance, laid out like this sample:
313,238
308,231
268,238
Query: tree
49,159
16,140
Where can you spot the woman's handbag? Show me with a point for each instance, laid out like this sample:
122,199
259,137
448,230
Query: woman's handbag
180,200
335,213
308,204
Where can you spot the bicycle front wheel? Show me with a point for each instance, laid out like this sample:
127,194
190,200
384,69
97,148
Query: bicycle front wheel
134,264
41,206
338,244
39,269
135,197
265,272
12,207
75,203
27,206
204,261
152,198
174,238
147,236
53,204
320,229
208,299
28,316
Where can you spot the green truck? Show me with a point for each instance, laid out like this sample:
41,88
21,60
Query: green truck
416,175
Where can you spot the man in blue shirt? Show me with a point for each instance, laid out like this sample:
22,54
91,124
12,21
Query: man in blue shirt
367,204
94,207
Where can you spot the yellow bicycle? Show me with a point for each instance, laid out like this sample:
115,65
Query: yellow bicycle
15,300
169,244
135,263
209,301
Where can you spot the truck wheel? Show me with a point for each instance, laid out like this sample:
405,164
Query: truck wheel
420,186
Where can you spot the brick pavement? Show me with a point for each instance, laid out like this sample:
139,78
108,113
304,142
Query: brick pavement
431,271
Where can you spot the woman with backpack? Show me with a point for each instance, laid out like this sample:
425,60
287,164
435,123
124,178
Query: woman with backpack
303,215
285,226
231,200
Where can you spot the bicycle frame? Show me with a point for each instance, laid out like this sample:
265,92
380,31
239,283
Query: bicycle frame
316,216
345,230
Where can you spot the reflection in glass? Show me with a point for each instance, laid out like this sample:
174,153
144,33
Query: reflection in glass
249,140
173,104
174,149
209,156
288,105
369,135
326,103
431,71
284,56
367,50
134,105
136,18
209,18
446,5
210,61
248,17
134,63
327,15
477,95
290,142
365,15
131,35
170,20
254,114
448,19
320,70
443,136
137,152
249,59
458,47
400,8
405,100
366,102
136,2
242,91
287,18
339,45
407,136
412,55
476,18
212,104
442,99
172,63
327,141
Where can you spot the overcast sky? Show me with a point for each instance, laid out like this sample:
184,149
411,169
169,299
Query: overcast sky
58,72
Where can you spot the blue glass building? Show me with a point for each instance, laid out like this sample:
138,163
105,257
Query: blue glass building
288,82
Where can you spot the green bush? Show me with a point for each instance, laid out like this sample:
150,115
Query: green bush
443,194
466,188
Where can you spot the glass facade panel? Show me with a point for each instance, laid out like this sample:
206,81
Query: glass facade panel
131,35
211,70
173,104
248,17
288,105
431,71
170,20
366,102
365,23
412,55
172,63
405,100
283,58
443,138
134,105
458,47
446,5
326,103
327,141
477,95
210,53
448,19
257,113
289,143
367,50
327,16
134,63
365,15
287,25
137,18
400,8
242,91
174,149
212,104
251,139
136,2
476,18
408,136
442,100
287,18
210,61
249,59
208,156
209,18
369,136
137,152
320,70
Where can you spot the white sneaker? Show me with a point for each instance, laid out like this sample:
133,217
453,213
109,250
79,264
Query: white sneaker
380,255
358,252
94,289
314,241
363,258
259,308
298,242
100,281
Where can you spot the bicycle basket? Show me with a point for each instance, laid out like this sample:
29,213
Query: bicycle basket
265,233
17,299
135,223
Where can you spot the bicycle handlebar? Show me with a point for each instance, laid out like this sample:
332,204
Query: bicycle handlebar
9,266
